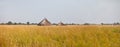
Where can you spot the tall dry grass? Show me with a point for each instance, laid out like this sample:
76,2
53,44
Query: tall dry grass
59,36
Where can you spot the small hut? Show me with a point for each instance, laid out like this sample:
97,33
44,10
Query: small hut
60,24
44,22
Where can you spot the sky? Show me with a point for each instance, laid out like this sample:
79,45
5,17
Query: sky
67,11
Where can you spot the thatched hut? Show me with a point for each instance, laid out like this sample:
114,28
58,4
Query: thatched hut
61,24
44,22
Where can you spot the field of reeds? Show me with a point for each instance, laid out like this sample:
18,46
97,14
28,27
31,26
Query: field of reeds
59,36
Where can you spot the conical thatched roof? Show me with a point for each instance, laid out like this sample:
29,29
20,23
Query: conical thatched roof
44,22
60,23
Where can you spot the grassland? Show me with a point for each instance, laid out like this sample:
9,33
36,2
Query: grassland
59,36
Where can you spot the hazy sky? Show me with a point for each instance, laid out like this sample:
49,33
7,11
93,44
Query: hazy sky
68,11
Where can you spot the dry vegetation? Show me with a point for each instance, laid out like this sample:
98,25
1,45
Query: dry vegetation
59,36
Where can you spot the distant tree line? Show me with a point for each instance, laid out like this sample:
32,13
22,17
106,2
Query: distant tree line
28,23
19,23
116,23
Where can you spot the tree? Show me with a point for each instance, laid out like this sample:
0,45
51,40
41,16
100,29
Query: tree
28,23
19,23
15,23
2,23
117,23
9,23
102,23
86,24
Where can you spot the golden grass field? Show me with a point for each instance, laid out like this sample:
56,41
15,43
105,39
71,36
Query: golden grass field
59,36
